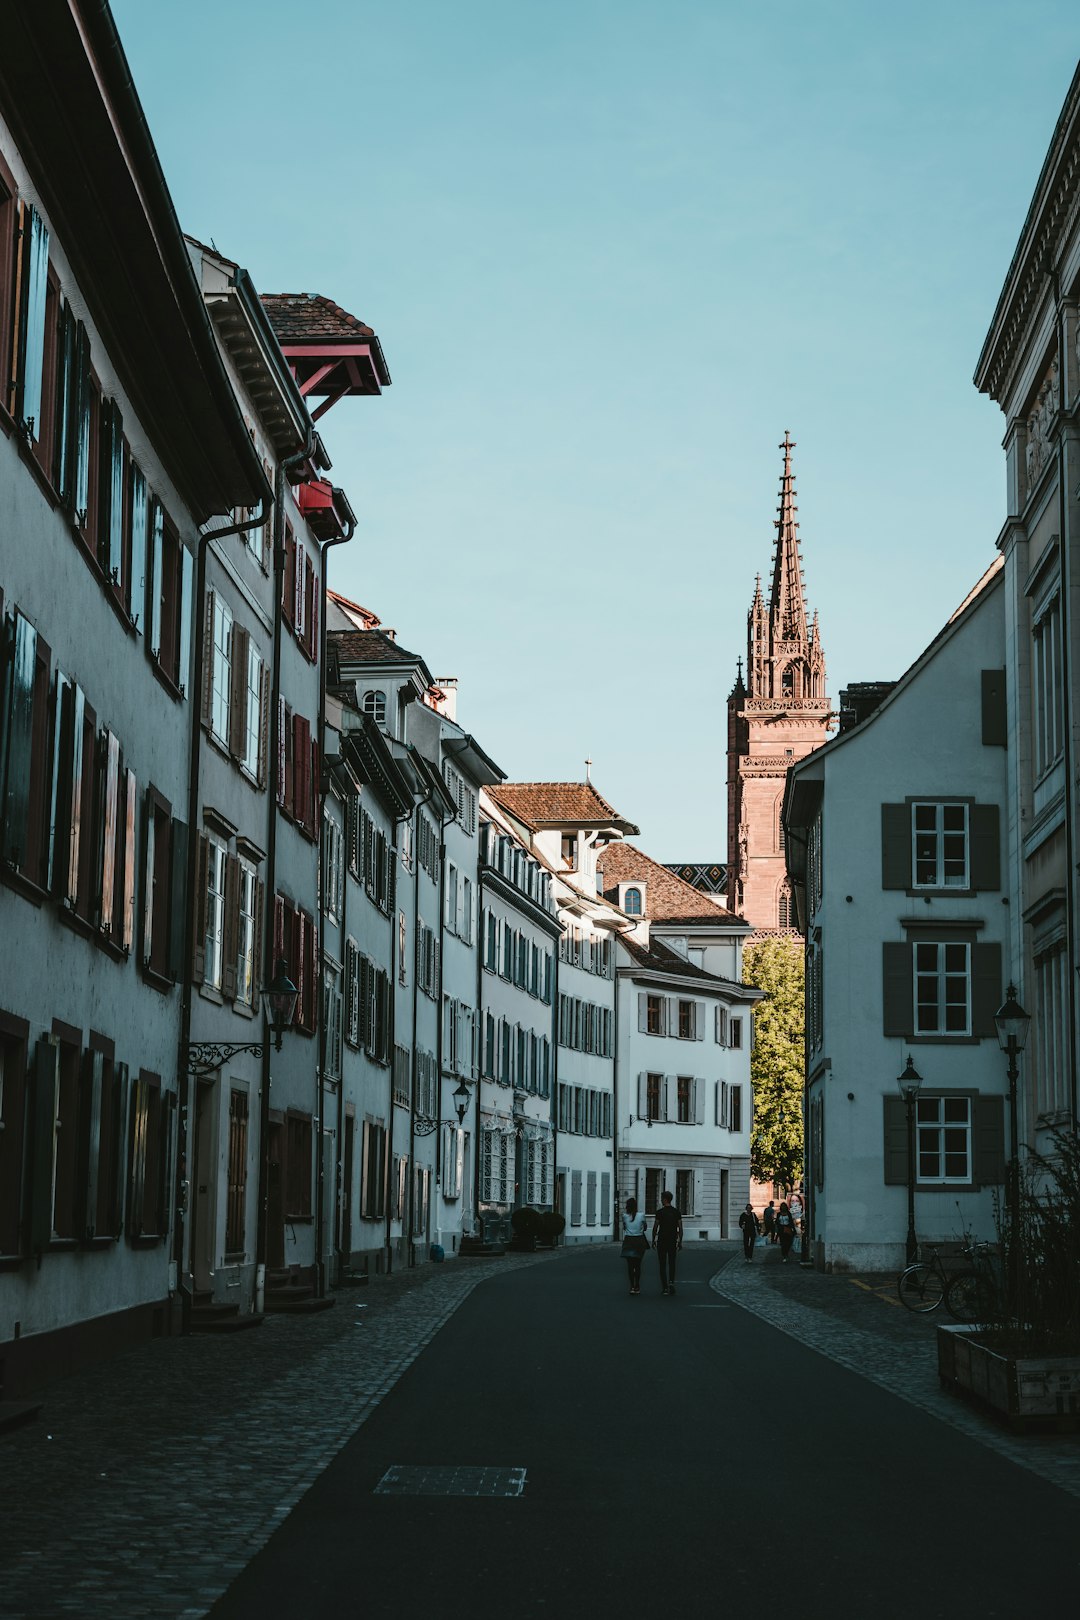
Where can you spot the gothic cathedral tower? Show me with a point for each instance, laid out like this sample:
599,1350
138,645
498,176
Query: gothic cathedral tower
778,714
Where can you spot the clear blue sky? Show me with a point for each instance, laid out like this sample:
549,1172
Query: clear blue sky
613,248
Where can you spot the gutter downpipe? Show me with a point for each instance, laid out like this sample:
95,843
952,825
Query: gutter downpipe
262,1235
406,1214
319,795
181,1200
481,946
1067,738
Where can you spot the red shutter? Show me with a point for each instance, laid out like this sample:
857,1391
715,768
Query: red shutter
301,764
315,788
288,581
264,723
282,752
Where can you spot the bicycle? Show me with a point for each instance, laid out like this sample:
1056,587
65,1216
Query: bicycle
924,1285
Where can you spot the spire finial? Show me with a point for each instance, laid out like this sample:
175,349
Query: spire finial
787,607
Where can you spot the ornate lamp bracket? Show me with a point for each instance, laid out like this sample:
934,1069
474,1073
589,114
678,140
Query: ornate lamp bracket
204,1058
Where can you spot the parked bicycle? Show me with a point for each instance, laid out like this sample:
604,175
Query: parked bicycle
967,1294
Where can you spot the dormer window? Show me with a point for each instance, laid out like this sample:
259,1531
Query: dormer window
570,850
374,703
632,902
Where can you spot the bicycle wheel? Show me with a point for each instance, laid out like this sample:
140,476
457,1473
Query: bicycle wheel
968,1297
920,1288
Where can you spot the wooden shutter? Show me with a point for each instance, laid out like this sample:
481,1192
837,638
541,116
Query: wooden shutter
985,989
187,612
19,742
988,1141
209,659
202,884
32,275
264,723
259,978
994,722
896,846
119,1147
77,719
138,550
83,396
64,406
110,795
895,1145
643,1096
985,846
90,1137
282,752
669,1098
166,1138
897,989
156,583
238,693
699,1020
137,1178
149,854
699,1102
301,763
127,898
178,896
43,1144
231,927
111,519
642,1012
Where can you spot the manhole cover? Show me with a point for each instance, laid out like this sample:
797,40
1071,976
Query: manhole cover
427,1481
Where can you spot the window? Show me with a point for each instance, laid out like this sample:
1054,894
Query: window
1048,685
164,893
24,750
684,1192
783,907
254,701
655,1015
686,1020
401,1076
332,1019
721,1025
373,1171
213,961
654,1096
464,798
32,275
297,1166
248,934
940,846
236,1185
632,903
151,1141
1050,1024
333,866
654,1190
427,961
403,949
735,1108
570,850
735,1033
294,944
170,601
943,1139
942,989
374,704
685,1100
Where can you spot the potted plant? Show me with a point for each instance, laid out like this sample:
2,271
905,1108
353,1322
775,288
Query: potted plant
551,1227
1023,1358
526,1226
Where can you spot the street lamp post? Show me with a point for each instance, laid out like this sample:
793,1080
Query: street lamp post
909,1083
1013,1024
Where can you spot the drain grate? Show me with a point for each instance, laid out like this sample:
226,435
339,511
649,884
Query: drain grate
429,1481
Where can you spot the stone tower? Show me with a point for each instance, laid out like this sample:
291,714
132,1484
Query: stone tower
776,714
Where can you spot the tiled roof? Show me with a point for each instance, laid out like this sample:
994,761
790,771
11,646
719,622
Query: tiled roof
545,804
310,318
667,898
362,617
371,647
659,958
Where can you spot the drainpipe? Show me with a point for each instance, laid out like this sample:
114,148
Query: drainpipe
261,1240
614,1085
1070,857
343,1255
180,1199
406,1216
481,944
320,1037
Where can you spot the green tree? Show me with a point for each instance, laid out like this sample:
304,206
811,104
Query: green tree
776,1064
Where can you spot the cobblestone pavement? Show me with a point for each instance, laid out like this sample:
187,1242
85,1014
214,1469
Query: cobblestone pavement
149,1482
858,1322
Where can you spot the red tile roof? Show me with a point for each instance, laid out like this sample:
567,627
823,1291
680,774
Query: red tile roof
371,647
668,899
310,318
558,804
660,958
362,616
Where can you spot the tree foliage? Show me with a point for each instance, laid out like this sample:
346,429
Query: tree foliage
776,1064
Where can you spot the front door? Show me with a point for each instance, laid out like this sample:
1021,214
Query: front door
275,1199
203,1186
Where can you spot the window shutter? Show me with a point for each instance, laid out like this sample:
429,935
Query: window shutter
301,742
80,428
717,1102
19,740
895,1150
985,989
643,1096
985,846
90,1134
157,565
178,896
119,1156
699,1020
699,1102
187,608
77,713
642,1012
46,1084
897,990
896,846
313,642
109,808
202,882
209,658
988,1141
669,1106
231,928
264,723
149,857
166,1138
257,974
994,727
30,314
237,738
136,1180
282,751
111,526
65,381
697,1182
127,920
138,549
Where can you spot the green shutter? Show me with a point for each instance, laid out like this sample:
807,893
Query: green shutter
895,1146
43,1143
985,846
994,722
34,282
988,1141
896,846
985,989
897,990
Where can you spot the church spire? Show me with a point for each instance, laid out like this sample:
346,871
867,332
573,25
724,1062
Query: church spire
787,604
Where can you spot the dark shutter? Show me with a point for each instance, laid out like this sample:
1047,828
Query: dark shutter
46,1082
111,520
988,1141
994,724
64,410
90,1137
202,880
895,1148
231,928
119,1162
985,988
140,1098
178,896
22,673
896,846
985,846
149,862
155,581
238,695
264,723
896,989
257,976
138,549
167,1135
187,610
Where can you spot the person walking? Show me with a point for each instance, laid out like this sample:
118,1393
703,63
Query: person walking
785,1231
749,1226
635,1241
768,1222
667,1241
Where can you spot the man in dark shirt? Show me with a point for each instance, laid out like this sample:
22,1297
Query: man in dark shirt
667,1241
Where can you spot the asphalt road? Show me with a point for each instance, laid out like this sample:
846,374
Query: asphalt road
678,1452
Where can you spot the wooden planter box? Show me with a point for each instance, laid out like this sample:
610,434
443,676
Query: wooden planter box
1018,1386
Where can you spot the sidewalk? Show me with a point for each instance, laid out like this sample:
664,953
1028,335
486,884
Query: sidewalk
148,1482
858,1321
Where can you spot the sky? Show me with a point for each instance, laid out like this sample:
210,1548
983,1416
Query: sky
612,250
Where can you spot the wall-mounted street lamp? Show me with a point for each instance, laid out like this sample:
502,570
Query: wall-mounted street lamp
1013,1024
461,1095
909,1084
279,1000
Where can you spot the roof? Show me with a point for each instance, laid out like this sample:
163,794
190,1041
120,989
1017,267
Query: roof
362,617
668,899
372,647
309,317
660,958
559,804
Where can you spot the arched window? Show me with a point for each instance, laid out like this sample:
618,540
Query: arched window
787,682
632,902
374,703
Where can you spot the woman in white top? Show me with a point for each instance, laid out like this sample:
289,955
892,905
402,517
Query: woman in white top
635,1242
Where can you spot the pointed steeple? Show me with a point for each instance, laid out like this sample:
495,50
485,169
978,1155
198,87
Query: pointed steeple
787,604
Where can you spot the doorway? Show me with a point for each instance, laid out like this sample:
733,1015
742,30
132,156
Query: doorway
202,1187
275,1197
